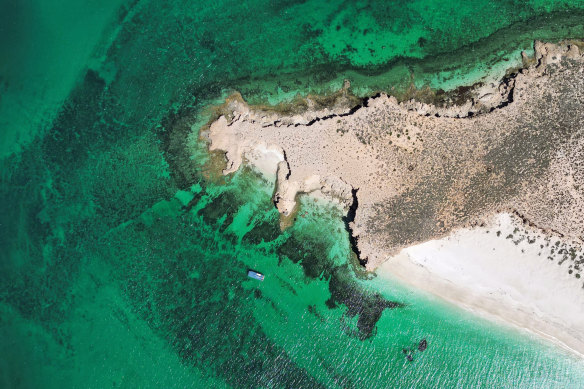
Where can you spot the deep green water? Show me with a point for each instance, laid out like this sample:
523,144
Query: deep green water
122,266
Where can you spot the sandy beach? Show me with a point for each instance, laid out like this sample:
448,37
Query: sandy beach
502,272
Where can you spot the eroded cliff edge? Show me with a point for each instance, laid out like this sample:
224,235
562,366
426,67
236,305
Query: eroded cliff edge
422,170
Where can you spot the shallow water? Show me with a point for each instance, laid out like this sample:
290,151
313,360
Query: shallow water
123,264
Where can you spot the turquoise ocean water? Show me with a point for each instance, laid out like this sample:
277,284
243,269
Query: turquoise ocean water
123,259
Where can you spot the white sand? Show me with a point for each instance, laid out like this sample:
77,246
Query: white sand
493,276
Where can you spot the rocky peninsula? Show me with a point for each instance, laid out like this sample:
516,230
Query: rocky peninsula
421,170
414,171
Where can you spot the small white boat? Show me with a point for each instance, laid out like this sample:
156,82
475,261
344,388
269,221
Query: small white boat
254,274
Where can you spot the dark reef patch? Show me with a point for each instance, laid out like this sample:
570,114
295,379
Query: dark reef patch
79,126
367,305
312,255
173,133
264,231
222,205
